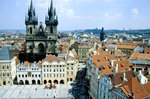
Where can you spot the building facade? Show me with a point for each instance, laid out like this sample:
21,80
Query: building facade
28,73
61,70
7,67
83,50
53,70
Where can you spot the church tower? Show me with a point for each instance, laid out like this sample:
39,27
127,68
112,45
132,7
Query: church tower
51,22
102,34
31,22
40,41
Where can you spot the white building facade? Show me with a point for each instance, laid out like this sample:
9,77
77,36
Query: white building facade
29,73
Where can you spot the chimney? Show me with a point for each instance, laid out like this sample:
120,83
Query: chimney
115,69
124,77
112,63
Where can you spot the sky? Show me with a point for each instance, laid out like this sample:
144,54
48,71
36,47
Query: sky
80,14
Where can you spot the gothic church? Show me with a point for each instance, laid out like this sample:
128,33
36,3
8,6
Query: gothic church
39,41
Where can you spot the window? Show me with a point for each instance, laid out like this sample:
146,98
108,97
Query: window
67,68
67,79
70,79
30,30
39,75
67,73
72,73
71,68
47,75
51,29
47,70
32,75
54,70
22,75
19,75
36,75
60,70
26,75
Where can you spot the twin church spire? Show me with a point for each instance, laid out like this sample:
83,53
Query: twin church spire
51,18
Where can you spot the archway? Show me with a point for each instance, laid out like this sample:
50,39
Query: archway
56,81
50,81
27,82
39,82
33,82
45,81
4,82
21,82
62,82
41,48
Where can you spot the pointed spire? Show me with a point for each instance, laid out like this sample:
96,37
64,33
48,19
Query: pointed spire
31,6
54,11
56,17
51,7
32,18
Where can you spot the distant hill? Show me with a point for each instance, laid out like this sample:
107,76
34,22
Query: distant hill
95,31
12,31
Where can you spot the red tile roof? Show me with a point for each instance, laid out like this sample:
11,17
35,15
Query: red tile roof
51,58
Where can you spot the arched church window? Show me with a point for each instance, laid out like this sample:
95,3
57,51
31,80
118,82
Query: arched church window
30,47
30,30
51,29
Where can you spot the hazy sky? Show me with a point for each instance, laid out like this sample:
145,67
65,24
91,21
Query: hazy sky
80,14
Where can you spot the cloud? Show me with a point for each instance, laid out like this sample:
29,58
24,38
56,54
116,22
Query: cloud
135,11
114,15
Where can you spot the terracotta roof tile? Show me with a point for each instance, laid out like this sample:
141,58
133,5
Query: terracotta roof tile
27,63
51,58
117,78
137,55
136,88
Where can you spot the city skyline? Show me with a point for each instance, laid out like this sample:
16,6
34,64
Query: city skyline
80,14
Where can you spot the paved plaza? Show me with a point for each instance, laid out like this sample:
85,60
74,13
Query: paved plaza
35,92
